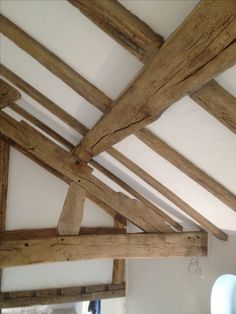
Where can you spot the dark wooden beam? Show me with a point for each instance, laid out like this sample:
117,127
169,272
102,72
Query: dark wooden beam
219,103
54,64
60,295
118,246
127,29
64,163
209,32
8,94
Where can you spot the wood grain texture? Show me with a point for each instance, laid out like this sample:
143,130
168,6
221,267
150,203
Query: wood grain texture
127,29
8,94
199,49
158,186
73,209
218,102
118,246
54,64
4,168
60,295
183,164
118,271
42,100
64,163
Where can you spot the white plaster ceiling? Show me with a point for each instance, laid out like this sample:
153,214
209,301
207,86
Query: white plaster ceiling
185,125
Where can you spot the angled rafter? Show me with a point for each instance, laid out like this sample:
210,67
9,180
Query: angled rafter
182,163
72,212
180,70
127,29
63,162
60,295
218,102
8,94
70,248
205,223
53,64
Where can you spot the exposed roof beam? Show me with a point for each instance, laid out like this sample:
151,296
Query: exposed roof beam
127,29
4,167
60,295
158,186
72,212
219,103
182,163
54,64
8,94
71,248
199,49
64,163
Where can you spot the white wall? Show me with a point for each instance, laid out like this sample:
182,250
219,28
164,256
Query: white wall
165,286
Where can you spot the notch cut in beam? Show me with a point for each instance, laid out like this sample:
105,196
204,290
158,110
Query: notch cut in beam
72,212
120,246
8,94
180,70
218,102
60,295
127,29
47,152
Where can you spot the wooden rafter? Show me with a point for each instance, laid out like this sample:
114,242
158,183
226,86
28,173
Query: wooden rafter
218,102
71,248
64,163
61,295
8,94
127,29
73,210
180,70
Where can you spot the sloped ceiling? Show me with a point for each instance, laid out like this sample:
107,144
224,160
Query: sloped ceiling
185,125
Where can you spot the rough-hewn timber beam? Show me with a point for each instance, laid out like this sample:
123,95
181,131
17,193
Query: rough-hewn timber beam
60,295
8,94
182,163
127,29
218,102
73,209
54,64
64,163
71,248
155,184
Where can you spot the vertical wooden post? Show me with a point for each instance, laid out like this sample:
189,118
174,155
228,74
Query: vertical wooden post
4,166
118,274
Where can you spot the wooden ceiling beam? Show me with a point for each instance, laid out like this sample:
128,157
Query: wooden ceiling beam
124,27
182,163
64,163
83,247
159,187
199,49
60,295
8,94
219,103
72,212
54,64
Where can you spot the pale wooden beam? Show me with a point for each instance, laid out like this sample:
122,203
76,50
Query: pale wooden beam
31,234
182,163
50,154
127,29
60,295
8,94
118,272
83,247
210,32
53,64
218,102
42,100
73,210
158,186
